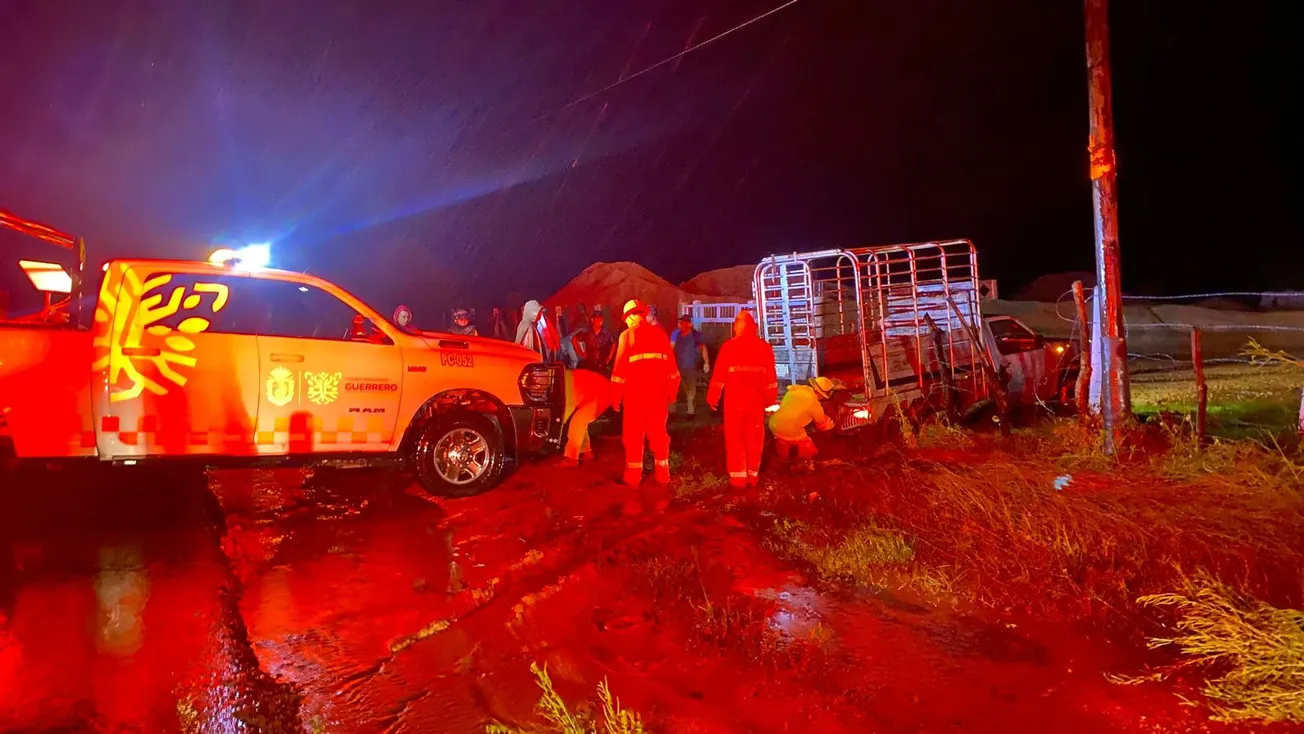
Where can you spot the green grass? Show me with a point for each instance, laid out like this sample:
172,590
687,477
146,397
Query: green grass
1245,400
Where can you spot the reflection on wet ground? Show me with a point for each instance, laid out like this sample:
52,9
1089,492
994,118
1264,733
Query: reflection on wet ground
350,601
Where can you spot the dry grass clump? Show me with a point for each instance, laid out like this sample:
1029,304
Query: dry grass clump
855,556
559,718
1255,651
1044,521
944,435
1099,538
692,478
1260,355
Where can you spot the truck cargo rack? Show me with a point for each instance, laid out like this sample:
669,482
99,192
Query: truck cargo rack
887,319
53,236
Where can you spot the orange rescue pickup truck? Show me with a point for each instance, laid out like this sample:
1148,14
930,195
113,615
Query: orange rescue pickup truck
222,361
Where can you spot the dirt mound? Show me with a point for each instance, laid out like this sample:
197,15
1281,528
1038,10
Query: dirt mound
609,285
735,282
1050,288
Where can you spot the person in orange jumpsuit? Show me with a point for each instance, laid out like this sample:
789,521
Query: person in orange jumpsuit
645,381
588,395
744,372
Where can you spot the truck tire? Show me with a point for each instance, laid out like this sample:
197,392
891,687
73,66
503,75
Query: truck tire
459,455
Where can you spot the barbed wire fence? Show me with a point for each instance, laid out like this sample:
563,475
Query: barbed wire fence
1252,343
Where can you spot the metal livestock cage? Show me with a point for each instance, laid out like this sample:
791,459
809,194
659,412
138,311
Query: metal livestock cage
885,320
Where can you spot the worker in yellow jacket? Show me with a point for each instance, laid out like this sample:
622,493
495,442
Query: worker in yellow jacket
801,407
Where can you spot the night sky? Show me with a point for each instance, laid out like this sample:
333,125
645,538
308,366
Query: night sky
435,152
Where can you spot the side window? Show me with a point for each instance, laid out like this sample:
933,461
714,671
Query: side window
1012,337
224,302
304,312
242,305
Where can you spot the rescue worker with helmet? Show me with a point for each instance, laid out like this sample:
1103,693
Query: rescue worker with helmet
800,408
588,395
462,323
744,372
645,380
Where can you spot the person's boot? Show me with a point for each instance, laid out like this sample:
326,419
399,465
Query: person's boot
661,472
753,479
738,482
568,462
633,475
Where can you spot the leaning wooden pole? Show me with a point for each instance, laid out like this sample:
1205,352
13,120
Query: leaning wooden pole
1082,390
1110,354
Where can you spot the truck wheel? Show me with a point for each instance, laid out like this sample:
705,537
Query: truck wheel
459,456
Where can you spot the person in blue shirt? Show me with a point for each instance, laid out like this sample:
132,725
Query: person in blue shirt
690,347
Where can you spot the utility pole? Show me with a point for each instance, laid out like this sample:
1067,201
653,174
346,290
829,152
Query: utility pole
1110,395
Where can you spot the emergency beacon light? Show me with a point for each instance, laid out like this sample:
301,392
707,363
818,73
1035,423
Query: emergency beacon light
250,257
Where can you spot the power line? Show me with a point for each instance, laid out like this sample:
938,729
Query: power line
681,54
1217,294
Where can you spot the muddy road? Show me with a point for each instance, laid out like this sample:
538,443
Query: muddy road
350,601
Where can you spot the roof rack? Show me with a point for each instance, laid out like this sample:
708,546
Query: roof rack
53,236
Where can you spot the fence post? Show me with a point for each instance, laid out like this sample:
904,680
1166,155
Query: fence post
1301,413
1082,391
1201,387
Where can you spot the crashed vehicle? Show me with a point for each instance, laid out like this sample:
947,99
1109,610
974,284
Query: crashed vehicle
902,326
230,361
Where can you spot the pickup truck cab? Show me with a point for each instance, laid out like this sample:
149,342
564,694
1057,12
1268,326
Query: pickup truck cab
213,361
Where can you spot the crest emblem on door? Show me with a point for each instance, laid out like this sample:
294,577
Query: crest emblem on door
280,387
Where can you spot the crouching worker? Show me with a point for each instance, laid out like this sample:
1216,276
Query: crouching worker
800,408
744,371
588,395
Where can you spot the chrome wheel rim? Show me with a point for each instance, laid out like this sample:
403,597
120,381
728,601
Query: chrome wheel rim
461,456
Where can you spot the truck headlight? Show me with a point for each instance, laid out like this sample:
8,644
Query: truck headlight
540,384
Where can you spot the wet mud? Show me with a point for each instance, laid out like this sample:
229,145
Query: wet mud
351,601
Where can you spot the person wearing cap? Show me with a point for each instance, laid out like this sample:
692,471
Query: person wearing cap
690,346
591,347
744,372
644,381
588,395
462,323
801,407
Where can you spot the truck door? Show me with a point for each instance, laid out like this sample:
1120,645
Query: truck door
330,381
176,364
1023,354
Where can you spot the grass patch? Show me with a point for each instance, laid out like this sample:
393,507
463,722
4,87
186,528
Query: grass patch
692,478
1044,522
854,557
558,717
1245,400
1255,651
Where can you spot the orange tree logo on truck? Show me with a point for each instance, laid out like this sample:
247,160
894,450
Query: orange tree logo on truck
323,387
140,353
